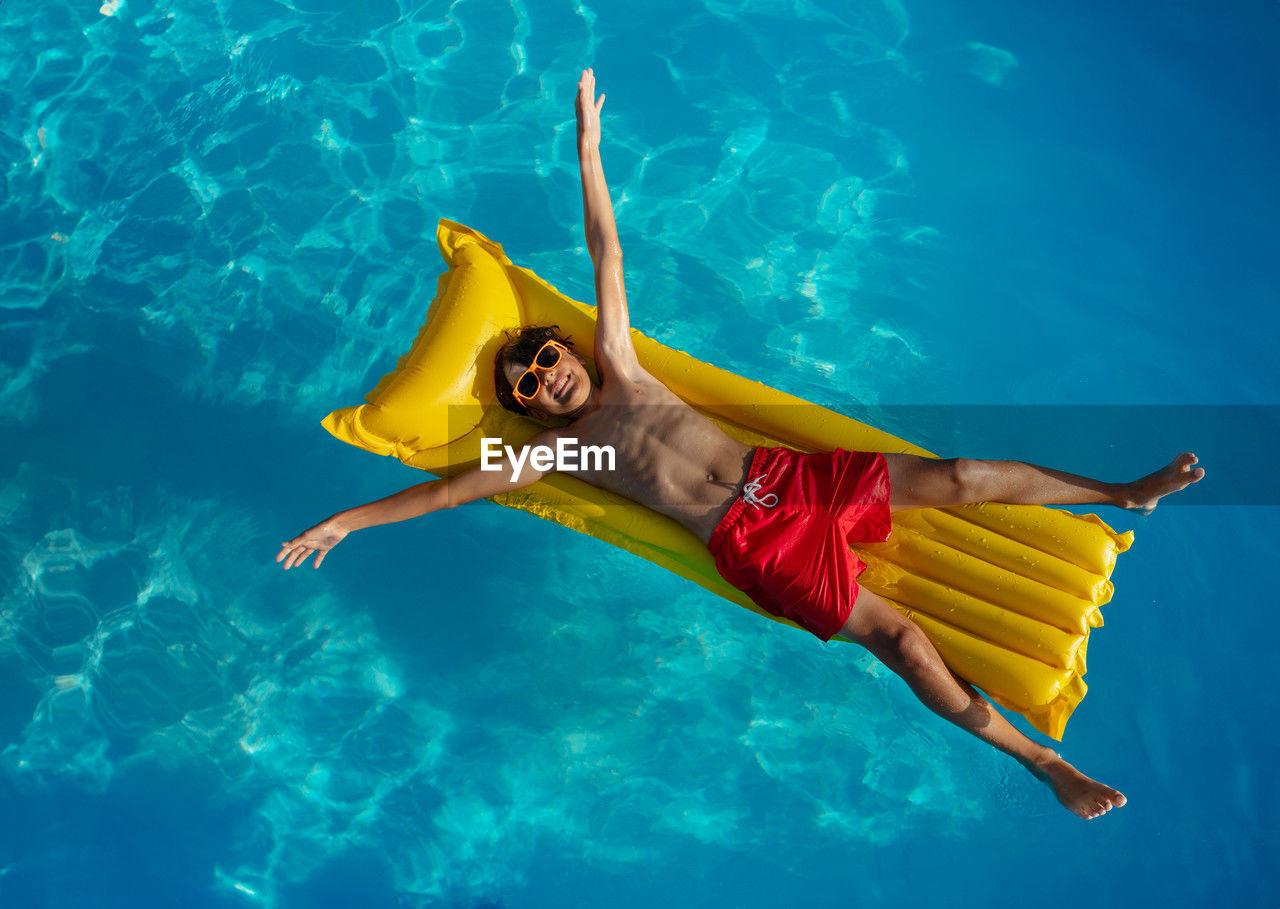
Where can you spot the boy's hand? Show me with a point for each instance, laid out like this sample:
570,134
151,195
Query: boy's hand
319,539
588,109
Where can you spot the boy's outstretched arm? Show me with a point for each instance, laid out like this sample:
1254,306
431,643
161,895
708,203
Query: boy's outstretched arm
417,501
614,351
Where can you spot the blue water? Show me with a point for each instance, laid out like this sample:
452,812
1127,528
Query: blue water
216,224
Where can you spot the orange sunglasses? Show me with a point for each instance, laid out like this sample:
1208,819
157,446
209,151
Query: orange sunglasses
548,355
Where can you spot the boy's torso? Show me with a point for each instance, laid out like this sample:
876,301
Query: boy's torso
668,456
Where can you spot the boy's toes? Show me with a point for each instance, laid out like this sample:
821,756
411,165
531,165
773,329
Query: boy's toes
1185,464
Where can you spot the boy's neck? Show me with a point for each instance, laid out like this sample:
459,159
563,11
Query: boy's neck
590,405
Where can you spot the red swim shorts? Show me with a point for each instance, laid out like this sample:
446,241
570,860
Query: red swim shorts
785,540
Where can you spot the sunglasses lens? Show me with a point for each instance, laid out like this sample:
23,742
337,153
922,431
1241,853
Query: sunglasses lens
547,357
527,387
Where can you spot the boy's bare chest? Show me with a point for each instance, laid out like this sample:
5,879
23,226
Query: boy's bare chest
666,455
650,428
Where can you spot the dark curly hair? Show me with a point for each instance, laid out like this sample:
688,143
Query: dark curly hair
520,348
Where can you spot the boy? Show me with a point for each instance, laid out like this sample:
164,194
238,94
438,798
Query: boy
777,521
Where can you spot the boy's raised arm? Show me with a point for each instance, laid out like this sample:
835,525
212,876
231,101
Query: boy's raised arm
614,351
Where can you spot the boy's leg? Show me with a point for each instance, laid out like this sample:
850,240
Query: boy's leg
931,482
900,644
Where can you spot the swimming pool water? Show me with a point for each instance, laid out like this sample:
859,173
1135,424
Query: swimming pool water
973,224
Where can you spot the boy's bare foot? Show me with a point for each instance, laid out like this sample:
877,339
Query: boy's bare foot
1078,794
1143,495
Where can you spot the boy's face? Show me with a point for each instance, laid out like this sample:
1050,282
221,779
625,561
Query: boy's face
562,389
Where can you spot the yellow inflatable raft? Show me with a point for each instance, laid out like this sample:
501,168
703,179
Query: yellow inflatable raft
1007,593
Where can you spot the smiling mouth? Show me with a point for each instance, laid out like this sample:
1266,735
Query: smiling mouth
560,387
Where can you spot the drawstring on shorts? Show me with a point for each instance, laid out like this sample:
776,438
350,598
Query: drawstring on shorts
752,487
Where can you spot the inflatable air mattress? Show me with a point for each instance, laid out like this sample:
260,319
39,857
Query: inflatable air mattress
1008,594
